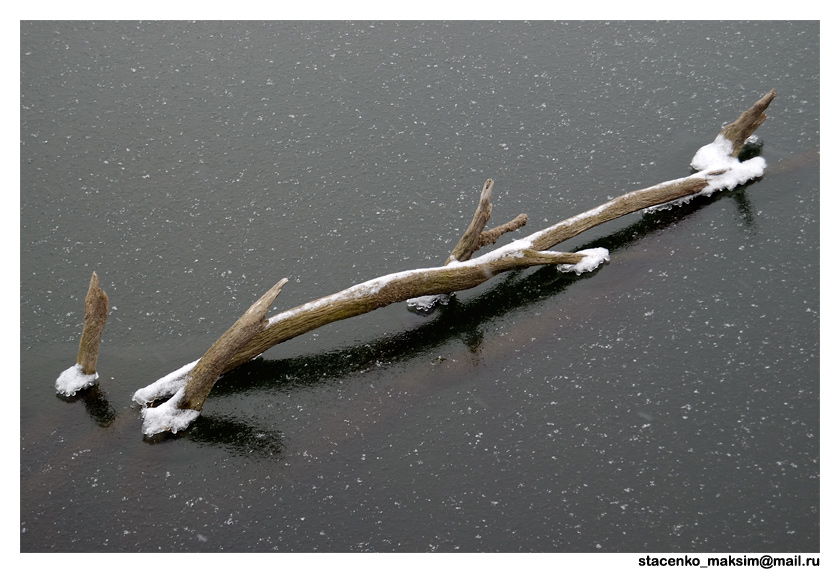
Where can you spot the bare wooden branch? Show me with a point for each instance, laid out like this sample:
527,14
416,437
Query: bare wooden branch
618,207
204,375
96,313
739,130
475,237
490,237
550,257
456,275
461,272
389,289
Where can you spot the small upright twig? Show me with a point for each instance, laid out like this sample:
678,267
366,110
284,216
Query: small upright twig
474,238
490,237
83,374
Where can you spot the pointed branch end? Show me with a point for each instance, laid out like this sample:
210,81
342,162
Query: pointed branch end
470,240
768,97
738,131
265,301
96,314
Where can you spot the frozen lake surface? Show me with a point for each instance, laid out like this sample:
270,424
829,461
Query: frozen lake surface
668,401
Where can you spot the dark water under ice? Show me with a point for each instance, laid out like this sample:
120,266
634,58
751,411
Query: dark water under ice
667,402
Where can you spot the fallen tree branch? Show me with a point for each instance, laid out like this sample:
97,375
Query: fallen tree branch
186,404
718,169
83,373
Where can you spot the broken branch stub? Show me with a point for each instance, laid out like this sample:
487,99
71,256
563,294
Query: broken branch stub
739,130
83,373
96,313
470,239
202,378
490,237
475,237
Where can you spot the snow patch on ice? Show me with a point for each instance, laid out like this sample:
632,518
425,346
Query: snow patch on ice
592,260
73,379
168,417
738,174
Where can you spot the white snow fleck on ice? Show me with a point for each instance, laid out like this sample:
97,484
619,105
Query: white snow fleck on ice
591,261
72,380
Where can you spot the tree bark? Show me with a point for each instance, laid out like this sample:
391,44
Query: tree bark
204,375
739,130
490,237
96,313
469,241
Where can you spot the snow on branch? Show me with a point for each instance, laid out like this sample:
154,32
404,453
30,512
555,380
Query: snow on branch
718,168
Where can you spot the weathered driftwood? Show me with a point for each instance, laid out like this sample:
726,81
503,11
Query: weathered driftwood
204,375
96,313
460,272
83,374
456,275
187,400
469,240
739,130
490,237
475,236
